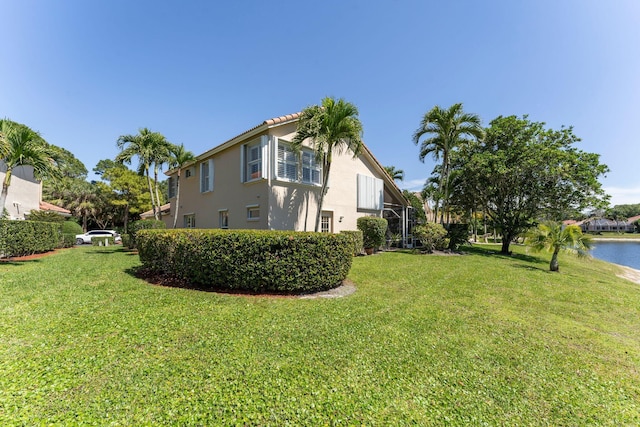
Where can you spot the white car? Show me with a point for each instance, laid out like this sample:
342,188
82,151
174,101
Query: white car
86,237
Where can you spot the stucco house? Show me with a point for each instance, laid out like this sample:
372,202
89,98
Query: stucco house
256,181
25,191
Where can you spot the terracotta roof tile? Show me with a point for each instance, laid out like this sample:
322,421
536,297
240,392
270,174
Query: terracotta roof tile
44,206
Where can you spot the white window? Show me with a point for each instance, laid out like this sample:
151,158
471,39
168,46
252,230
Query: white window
370,193
253,213
253,161
223,217
310,168
206,176
190,221
287,162
172,181
326,222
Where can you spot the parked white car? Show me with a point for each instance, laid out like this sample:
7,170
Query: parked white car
86,237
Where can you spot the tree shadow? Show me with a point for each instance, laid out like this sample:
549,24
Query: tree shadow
488,252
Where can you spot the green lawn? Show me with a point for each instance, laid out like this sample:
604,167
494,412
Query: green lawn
479,339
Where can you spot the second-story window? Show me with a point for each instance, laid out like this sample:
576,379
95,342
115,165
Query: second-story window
206,176
253,161
287,162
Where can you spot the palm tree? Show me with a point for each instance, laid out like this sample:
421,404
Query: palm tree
81,199
396,174
21,146
446,130
179,158
554,237
331,127
152,150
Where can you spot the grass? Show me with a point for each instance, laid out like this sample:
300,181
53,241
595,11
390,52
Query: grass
479,339
613,235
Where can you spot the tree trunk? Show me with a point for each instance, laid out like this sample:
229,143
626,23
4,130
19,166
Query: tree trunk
506,241
553,265
175,213
158,213
153,202
5,191
325,180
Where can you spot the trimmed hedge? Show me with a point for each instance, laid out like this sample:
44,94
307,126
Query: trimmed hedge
373,230
248,260
356,240
20,238
143,224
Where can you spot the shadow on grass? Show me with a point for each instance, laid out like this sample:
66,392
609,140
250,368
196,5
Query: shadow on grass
489,252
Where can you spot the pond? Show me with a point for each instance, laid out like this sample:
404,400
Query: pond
619,252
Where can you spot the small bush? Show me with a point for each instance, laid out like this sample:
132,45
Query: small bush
373,230
356,240
144,224
431,235
102,241
19,238
458,234
248,260
71,227
126,241
68,240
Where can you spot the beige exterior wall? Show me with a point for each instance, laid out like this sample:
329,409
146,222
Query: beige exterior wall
283,205
229,193
25,192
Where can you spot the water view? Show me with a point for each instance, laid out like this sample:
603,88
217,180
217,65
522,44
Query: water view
623,253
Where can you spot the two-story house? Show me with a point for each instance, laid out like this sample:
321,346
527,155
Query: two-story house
256,181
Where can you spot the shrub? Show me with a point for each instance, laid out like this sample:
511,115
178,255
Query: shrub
68,240
431,235
248,260
19,238
102,241
144,224
45,216
373,230
126,241
71,227
458,234
356,240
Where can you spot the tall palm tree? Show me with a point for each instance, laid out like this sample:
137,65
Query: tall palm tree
331,127
554,237
152,150
179,158
446,130
81,198
396,174
21,146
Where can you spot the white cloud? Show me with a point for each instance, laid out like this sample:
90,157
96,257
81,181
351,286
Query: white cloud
623,196
413,184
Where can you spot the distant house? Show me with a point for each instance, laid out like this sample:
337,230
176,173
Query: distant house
598,225
25,191
256,181
25,194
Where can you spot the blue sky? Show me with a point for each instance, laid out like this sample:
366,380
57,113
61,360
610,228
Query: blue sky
200,72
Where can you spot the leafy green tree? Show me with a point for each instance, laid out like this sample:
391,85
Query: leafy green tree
417,204
445,130
553,237
129,195
522,172
152,151
623,211
21,146
332,127
179,157
396,174
81,199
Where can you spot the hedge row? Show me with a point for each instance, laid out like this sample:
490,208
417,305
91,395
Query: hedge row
248,260
20,238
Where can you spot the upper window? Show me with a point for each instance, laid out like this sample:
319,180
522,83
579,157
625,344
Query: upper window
287,162
172,186
206,176
298,168
310,169
253,161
